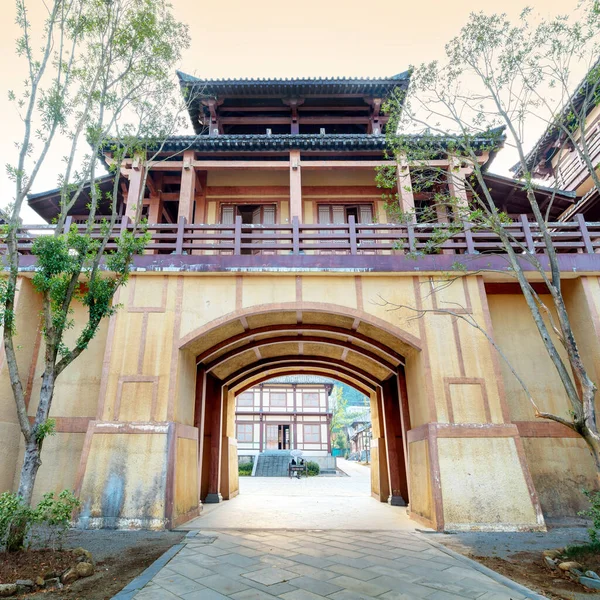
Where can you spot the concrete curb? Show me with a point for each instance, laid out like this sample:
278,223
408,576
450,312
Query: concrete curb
133,587
509,583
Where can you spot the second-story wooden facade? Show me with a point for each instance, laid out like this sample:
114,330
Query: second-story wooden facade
285,413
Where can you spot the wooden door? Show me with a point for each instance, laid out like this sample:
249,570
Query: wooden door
272,437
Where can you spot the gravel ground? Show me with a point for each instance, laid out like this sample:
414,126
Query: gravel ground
104,544
503,545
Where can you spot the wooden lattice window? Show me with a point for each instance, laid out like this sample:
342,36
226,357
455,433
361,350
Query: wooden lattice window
245,399
277,399
312,434
310,399
245,432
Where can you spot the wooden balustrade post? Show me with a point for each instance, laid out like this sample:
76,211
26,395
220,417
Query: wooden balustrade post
585,234
237,236
180,231
412,244
469,237
124,223
527,232
67,225
295,235
352,231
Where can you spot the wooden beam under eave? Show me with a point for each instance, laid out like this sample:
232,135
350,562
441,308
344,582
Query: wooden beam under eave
345,164
216,165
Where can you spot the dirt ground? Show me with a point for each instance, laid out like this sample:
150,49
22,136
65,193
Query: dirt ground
37,563
120,557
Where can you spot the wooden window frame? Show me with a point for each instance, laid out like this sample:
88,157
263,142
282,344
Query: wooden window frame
305,439
251,432
242,399
308,405
257,203
345,206
284,405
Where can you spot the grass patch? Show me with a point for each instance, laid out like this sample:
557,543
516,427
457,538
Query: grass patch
583,553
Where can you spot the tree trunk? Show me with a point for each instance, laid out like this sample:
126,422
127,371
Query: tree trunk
31,464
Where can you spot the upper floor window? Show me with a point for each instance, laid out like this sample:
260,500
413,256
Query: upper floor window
245,399
310,399
277,399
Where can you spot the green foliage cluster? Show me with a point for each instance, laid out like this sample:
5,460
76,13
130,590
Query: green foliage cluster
593,512
245,469
66,272
313,468
340,441
20,524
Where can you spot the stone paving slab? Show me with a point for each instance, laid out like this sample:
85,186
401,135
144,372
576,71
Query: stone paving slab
313,565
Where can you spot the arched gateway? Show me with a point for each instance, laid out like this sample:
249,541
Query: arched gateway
272,252
162,444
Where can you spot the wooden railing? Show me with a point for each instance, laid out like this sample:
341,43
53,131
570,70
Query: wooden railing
573,170
350,239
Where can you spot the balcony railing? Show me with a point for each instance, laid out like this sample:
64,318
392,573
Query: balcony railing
351,238
573,171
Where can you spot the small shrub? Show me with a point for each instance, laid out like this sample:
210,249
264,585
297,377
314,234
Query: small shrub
47,522
16,521
313,468
53,516
245,469
593,512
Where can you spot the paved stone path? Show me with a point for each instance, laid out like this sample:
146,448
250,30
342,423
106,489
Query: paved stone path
317,565
306,503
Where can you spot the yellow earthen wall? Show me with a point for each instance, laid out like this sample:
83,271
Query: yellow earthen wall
482,485
28,307
421,499
186,477
125,480
560,467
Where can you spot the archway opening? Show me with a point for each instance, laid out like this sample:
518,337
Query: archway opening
238,354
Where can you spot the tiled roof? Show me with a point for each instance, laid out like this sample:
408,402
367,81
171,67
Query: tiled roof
277,142
301,86
307,142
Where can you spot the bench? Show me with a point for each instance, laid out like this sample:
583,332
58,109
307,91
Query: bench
297,470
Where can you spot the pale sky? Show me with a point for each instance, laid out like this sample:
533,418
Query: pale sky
268,38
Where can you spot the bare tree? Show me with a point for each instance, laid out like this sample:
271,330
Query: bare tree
103,78
497,78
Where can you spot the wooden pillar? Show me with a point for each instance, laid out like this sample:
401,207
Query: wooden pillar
393,440
201,182
295,186
199,421
213,423
135,194
404,422
456,182
405,192
188,187
156,203
380,487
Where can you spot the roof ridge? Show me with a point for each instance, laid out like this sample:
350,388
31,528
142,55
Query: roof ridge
187,78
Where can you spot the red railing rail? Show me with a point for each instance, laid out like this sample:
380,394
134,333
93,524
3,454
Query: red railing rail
350,238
